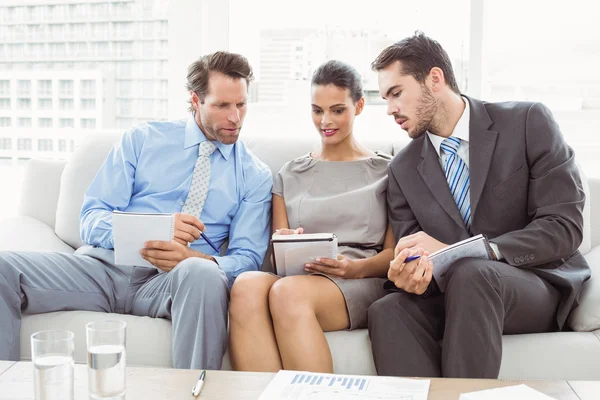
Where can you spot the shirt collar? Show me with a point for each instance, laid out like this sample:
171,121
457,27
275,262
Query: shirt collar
195,136
461,130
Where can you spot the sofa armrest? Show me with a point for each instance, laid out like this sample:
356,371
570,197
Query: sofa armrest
39,193
594,184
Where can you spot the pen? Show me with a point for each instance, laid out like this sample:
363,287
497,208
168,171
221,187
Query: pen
198,386
411,258
209,242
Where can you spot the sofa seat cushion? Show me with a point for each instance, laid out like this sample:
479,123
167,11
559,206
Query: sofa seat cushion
586,317
551,356
148,339
29,234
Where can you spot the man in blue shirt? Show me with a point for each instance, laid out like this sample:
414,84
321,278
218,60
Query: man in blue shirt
162,167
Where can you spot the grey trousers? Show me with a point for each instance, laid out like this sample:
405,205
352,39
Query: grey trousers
458,334
194,296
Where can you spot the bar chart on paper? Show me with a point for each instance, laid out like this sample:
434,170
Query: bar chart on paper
297,385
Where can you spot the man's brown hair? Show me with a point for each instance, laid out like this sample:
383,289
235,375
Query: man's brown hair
230,64
418,55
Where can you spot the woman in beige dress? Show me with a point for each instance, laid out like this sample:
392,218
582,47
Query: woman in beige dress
278,323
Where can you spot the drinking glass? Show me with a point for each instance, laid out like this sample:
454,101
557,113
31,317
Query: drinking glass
106,359
52,356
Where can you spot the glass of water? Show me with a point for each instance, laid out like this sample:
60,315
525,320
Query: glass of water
52,356
106,359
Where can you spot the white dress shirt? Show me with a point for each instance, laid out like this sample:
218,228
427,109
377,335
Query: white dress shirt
461,131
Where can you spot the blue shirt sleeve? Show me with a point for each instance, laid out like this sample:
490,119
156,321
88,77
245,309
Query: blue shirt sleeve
250,229
110,190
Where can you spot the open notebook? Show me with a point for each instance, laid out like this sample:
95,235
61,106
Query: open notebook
476,247
132,230
291,252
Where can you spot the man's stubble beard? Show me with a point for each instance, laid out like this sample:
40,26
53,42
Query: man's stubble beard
425,114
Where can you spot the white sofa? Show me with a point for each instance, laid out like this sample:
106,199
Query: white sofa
49,218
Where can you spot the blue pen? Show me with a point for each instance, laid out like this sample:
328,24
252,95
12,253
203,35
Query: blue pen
209,242
411,258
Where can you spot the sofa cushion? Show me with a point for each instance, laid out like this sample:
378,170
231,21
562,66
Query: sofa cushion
29,234
148,339
551,356
76,178
586,317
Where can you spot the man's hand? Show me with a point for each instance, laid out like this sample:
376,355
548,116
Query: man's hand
287,231
419,240
343,267
166,255
414,276
187,228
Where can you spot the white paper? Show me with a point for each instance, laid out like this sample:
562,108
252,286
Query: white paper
442,259
132,230
296,385
291,252
518,392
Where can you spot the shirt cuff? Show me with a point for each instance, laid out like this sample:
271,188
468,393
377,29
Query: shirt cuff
496,251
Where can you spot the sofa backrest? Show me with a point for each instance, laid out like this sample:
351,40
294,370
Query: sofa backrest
87,159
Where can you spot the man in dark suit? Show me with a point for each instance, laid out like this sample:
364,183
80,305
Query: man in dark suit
498,169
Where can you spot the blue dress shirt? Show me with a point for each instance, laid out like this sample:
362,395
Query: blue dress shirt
150,170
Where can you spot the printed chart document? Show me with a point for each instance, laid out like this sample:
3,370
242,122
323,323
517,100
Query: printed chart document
296,385
476,246
291,252
132,230
518,392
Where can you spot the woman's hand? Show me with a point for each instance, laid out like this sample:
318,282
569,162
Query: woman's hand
286,231
343,267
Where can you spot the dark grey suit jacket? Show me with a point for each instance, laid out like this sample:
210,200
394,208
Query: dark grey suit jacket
526,194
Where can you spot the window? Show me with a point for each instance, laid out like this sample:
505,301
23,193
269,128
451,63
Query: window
4,88
66,122
45,145
23,104
88,104
44,88
4,104
45,104
88,123
66,87
5,143
24,144
4,122
88,88
23,122
24,88
525,66
66,104
285,51
45,122
62,145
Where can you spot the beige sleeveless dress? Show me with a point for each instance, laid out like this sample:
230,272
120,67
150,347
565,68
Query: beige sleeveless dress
347,198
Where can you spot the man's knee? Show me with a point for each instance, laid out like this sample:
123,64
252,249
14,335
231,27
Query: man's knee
471,272
203,275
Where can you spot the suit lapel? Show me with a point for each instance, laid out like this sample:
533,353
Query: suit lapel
433,176
482,143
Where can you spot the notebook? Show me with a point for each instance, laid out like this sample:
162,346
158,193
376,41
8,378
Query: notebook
291,252
132,230
476,246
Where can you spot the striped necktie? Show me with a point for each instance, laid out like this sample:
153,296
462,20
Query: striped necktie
200,180
457,175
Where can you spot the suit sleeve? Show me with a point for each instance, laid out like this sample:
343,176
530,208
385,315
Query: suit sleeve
400,215
555,198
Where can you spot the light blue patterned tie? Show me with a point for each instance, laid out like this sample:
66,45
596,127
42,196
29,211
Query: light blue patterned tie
457,175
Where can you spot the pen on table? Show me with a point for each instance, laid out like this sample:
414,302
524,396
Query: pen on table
198,386
208,241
